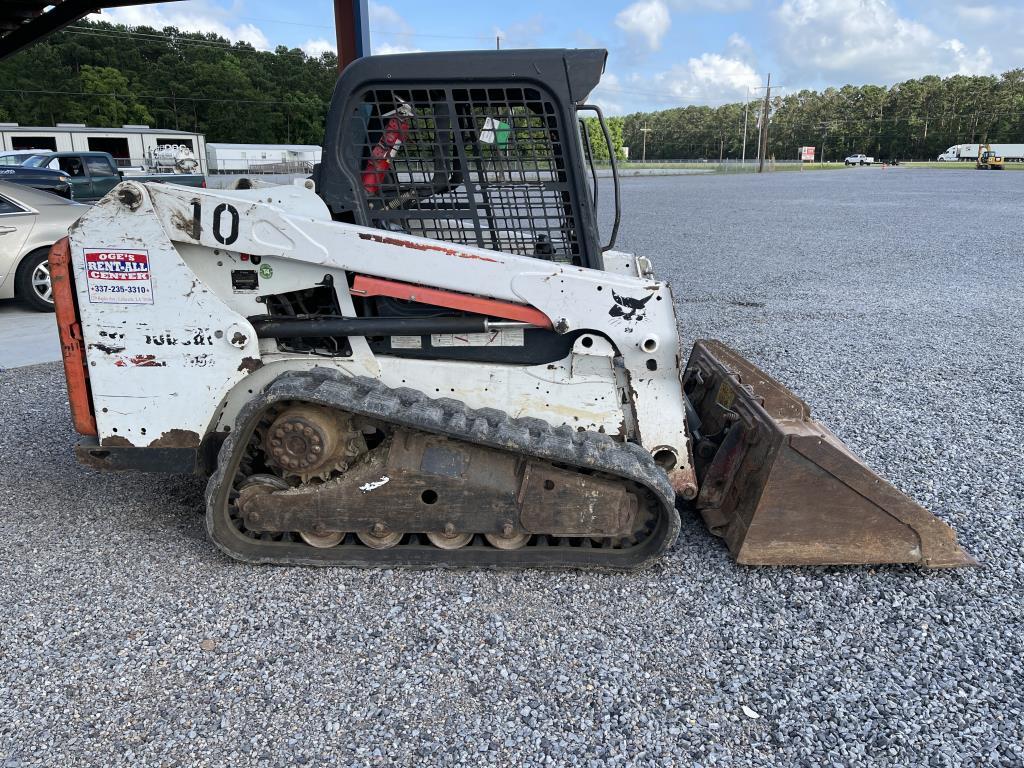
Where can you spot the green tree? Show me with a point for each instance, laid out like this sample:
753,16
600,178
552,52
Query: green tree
112,102
598,145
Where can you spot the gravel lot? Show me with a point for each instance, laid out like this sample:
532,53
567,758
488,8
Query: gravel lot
889,299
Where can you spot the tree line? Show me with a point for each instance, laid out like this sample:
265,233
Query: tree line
915,119
108,75
103,74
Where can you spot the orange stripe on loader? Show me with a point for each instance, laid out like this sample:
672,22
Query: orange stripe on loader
375,286
72,347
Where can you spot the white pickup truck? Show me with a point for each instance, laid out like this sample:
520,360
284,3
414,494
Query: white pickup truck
859,160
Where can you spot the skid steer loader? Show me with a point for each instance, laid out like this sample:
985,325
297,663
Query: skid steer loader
426,354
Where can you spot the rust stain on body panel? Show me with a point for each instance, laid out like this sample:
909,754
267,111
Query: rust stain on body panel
140,361
176,438
116,441
425,247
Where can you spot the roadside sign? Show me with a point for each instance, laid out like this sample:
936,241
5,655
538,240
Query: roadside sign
807,154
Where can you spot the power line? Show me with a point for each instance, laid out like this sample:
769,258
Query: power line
150,96
376,30
182,41
185,39
158,34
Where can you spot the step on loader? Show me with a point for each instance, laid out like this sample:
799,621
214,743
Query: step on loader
428,355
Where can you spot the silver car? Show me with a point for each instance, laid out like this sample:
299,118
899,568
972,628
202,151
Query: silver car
30,222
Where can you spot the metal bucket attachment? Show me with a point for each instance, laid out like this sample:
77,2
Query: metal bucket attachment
781,489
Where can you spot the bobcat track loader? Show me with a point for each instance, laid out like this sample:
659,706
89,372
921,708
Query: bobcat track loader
426,355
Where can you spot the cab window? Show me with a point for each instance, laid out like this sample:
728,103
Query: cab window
99,166
72,166
9,206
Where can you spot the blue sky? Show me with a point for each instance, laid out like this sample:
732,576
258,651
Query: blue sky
662,52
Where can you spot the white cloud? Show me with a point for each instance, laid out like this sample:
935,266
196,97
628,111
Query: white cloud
718,6
648,20
967,63
866,41
191,17
386,49
977,14
710,78
253,35
609,95
523,34
389,32
384,18
738,46
318,47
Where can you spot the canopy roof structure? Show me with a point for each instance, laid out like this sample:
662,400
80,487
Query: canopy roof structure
23,22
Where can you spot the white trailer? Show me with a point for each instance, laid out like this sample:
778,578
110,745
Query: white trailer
262,158
129,145
1011,153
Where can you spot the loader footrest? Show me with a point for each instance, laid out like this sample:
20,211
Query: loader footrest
117,458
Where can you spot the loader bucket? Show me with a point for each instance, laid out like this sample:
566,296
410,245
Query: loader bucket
781,489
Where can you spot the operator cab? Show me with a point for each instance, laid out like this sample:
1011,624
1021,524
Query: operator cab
484,149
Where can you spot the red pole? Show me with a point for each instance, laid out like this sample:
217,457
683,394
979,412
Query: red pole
351,19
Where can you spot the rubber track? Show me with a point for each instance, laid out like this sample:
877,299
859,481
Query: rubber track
445,416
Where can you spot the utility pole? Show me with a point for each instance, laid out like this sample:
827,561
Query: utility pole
353,32
644,131
497,42
746,104
763,150
758,153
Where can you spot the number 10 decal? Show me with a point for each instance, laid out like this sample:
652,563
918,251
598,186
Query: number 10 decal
218,233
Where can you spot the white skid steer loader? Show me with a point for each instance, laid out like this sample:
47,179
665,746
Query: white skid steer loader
424,355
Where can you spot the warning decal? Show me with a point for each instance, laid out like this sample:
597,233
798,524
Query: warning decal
507,337
118,277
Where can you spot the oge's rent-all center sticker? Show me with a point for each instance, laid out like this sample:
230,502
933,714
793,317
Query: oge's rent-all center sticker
118,277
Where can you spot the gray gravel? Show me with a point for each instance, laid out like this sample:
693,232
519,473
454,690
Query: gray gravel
885,298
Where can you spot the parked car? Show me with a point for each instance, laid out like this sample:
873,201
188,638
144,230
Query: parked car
859,160
93,174
43,179
30,222
19,156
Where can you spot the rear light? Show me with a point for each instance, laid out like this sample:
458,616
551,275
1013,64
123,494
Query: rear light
203,185
72,347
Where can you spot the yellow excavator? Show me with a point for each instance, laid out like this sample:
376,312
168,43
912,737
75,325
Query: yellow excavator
987,159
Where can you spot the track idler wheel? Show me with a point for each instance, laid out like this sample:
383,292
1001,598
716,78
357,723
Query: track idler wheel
507,539
379,537
449,539
322,540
